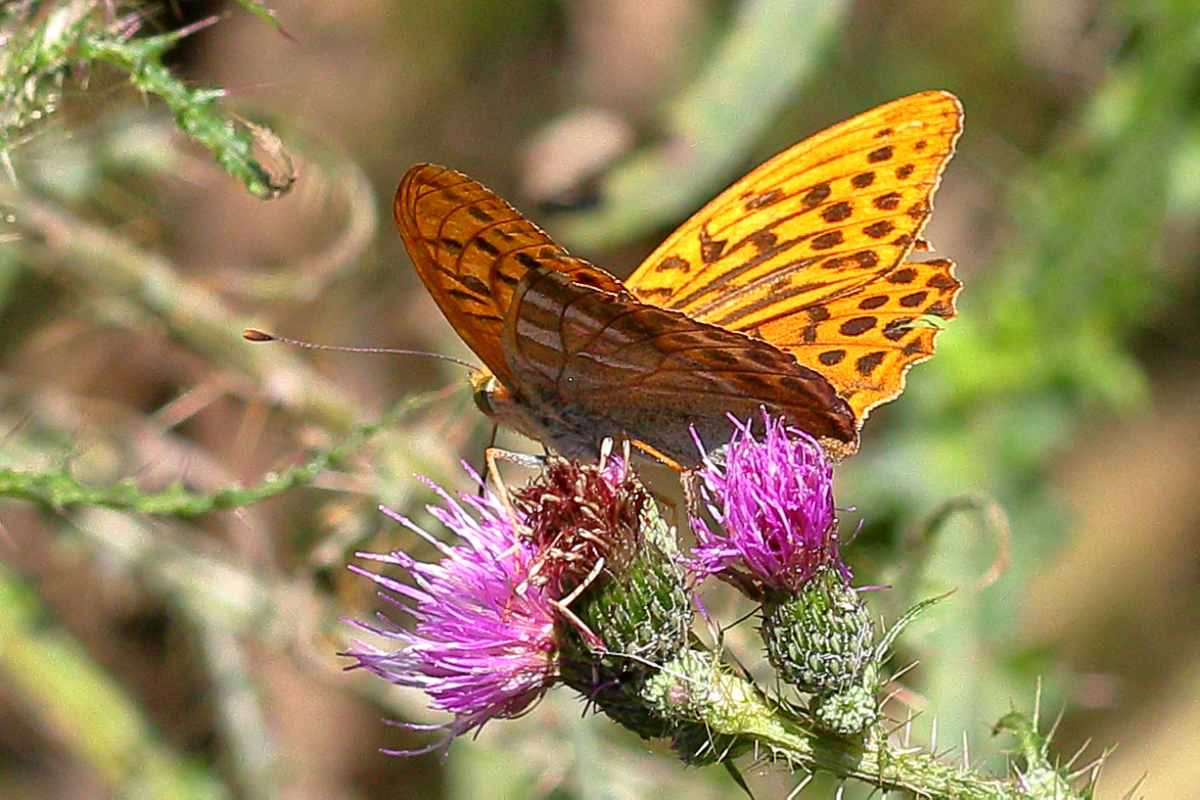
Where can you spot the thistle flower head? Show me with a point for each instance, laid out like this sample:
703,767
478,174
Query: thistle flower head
773,499
483,642
578,516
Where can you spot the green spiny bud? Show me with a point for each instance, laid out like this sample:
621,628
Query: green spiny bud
850,710
821,639
701,699
643,608
613,561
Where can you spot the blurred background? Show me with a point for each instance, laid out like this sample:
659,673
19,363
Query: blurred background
1046,463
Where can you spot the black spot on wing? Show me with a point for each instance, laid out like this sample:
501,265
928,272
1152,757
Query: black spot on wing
832,357
867,364
815,196
880,154
887,202
827,240
877,230
862,180
836,212
857,326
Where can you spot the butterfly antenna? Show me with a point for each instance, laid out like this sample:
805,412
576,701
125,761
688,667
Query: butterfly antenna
253,335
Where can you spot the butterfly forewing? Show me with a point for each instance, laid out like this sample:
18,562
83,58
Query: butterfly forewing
782,253
472,249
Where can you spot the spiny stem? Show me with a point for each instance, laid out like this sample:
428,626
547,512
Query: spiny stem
57,489
42,51
729,705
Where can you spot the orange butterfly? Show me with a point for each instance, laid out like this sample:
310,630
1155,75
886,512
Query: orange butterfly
791,290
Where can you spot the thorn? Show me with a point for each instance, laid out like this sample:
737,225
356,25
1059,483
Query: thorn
1094,766
1129,795
1054,727
901,672
1071,761
724,753
800,786
896,726
200,25
9,169
933,736
1037,703
966,753
1022,783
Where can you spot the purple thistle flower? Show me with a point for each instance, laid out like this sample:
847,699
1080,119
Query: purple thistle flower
484,645
774,501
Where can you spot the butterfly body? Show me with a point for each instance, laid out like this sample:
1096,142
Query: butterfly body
790,291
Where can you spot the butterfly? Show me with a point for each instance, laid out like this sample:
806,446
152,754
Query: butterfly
792,290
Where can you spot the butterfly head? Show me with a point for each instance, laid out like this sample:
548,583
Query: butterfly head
487,392
536,421
498,404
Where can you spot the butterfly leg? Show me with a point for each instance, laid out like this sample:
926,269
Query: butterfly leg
493,455
690,482
656,455
563,607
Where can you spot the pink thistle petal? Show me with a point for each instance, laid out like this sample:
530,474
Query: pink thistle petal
774,501
480,648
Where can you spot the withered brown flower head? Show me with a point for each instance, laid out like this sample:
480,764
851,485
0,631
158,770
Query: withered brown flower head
583,519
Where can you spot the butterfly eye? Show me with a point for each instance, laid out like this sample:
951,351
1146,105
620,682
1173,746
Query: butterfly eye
482,395
488,393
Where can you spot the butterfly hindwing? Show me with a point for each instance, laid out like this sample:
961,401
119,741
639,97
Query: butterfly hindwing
618,367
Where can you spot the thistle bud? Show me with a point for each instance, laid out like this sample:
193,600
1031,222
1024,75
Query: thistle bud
613,562
778,543
822,642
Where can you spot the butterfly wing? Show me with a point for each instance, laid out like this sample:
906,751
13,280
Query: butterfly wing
798,251
472,249
602,365
867,340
